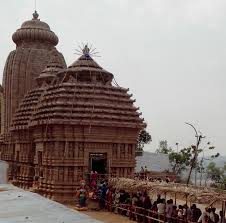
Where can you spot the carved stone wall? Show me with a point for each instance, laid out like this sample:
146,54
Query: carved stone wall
2,109
22,67
62,157
35,44
67,117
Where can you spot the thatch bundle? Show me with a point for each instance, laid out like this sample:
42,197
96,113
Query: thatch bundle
200,195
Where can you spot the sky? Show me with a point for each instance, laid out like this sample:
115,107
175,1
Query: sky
171,54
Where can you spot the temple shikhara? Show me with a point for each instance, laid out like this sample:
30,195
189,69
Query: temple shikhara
59,123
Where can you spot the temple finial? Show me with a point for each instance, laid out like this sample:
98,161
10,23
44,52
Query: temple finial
35,15
86,50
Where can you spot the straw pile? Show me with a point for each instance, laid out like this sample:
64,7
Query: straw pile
199,195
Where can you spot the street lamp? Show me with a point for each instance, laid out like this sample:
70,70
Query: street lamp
199,137
177,146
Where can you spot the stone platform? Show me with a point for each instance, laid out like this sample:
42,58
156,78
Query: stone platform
19,206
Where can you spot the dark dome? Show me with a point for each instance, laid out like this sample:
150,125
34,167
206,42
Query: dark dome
35,30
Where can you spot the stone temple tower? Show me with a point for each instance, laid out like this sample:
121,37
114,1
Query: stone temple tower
35,43
75,121
62,122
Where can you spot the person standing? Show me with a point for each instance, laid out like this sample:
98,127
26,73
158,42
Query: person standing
222,218
145,172
161,209
214,217
169,210
82,196
205,216
195,213
142,173
102,196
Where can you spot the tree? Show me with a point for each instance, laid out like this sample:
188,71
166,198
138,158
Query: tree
186,158
217,174
163,147
180,160
200,165
214,173
144,138
195,148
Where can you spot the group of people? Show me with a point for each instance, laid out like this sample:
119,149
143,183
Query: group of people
143,172
139,206
95,188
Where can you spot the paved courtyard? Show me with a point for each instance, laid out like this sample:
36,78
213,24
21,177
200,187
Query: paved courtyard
19,206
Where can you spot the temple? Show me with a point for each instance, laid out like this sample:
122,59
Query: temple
59,123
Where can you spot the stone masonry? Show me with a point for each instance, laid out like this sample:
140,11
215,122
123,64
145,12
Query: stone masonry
60,123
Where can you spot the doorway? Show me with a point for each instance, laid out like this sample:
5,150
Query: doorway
98,162
39,157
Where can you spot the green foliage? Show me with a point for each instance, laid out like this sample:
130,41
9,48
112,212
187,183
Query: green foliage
199,165
217,174
185,158
163,147
215,156
214,172
144,138
180,160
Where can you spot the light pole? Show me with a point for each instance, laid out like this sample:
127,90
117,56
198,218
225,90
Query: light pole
199,137
177,146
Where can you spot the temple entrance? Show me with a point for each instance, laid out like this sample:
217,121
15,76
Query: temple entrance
98,162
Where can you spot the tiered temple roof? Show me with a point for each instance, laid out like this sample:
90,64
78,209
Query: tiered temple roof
84,95
28,105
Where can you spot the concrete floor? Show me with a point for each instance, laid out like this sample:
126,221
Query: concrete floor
19,206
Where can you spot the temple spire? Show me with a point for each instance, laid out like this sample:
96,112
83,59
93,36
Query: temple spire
35,14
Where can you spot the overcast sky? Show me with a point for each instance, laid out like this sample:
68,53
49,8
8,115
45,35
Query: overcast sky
170,53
